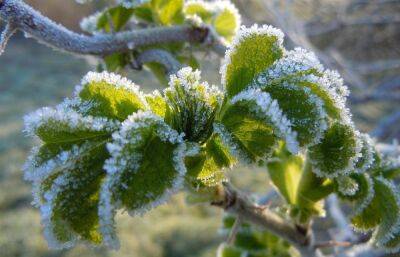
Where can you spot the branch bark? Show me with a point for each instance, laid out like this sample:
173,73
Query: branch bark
232,201
30,21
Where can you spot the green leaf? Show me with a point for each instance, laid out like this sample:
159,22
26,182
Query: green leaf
156,103
367,154
255,123
253,50
390,209
109,95
310,193
364,193
144,13
64,218
117,61
206,167
337,152
301,68
221,15
62,131
225,250
227,22
285,172
304,110
114,19
200,8
383,211
81,182
146,167
168,12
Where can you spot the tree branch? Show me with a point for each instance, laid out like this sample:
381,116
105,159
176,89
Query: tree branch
232,201
159,56
30,21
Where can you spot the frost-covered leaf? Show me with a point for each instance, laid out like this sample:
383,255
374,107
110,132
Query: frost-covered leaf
206,167
347,185
191,105
337,151
221,15
389,200
146,167
255,124
62,131
156,103
302,68
109,95
382,211
67,166
363,195
65,219
304,110
252,51
226,21
367,154
168,12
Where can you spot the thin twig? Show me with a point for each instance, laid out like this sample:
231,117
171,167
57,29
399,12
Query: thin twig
234,230
7,33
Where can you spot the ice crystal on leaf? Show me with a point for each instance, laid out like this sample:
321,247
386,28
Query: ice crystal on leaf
115,148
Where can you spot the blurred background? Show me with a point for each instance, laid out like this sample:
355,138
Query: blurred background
360,38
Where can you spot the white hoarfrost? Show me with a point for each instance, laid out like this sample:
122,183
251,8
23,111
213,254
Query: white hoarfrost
46,210
294,61
62,116
132,3
368,152
347,186
124,158
366,200
267,108
242,35
111,79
